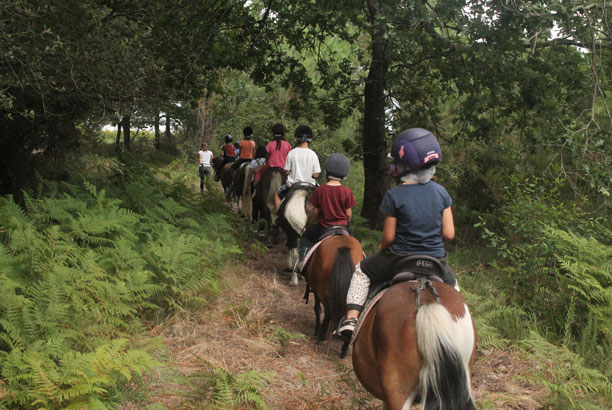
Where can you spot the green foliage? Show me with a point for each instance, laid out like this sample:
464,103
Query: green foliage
530,267
571,383
224,390
79,269
284,337
551,276
585,273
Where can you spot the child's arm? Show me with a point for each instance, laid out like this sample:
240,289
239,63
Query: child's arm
448,225
349,213
388,234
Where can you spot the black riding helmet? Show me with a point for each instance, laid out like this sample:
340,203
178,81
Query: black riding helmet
261,152
248,132
278,130
337,166
303,133
228,138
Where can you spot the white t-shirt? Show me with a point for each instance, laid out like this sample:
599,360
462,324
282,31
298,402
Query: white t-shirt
205,157
302,162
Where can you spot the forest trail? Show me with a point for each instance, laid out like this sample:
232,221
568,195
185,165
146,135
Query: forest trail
258,322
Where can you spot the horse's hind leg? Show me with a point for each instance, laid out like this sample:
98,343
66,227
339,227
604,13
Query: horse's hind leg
326,320
317,310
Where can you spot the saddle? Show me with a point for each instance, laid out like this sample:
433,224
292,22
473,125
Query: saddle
422,268
327,232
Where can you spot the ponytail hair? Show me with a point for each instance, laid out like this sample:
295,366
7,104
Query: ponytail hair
278,132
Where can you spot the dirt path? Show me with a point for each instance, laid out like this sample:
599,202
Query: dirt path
260,323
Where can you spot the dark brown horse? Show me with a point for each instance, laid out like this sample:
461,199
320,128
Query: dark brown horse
264,205
238,185
411,347
225,174
328,275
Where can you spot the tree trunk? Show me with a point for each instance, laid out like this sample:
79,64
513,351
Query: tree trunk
126,133
157,133
118,138
168,133
374,143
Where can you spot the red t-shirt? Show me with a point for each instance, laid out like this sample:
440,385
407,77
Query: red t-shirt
229,150
332,201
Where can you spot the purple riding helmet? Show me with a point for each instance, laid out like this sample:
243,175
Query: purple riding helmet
414,149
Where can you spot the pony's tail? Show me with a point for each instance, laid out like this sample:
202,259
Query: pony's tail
445,346
342,272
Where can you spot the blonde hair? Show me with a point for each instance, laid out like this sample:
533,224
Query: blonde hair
421,176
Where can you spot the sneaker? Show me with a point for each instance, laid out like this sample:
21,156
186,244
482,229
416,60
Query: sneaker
346,328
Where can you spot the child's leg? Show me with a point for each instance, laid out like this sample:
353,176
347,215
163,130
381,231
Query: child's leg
357,293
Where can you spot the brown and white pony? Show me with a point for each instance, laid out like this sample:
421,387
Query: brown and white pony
293,220
417,348
328,274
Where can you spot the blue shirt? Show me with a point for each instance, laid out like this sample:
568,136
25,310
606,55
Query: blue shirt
418,209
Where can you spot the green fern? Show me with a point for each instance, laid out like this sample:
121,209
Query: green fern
227,391
586,274
571,383
81,266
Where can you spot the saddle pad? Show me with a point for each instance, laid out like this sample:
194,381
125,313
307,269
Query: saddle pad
327,234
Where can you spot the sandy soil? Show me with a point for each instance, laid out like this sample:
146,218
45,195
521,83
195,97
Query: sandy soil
259,322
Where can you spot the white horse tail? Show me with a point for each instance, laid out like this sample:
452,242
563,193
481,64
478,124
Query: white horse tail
445,345
295,211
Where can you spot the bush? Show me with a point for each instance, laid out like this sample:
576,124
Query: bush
550,269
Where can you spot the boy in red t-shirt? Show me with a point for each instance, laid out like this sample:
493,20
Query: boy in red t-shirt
332,203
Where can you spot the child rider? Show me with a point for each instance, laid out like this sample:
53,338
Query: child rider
302,164
418,220
331,203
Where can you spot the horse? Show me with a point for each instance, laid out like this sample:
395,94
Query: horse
293,220
328,274
225,175
239,181
417,342
246,208
264,201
